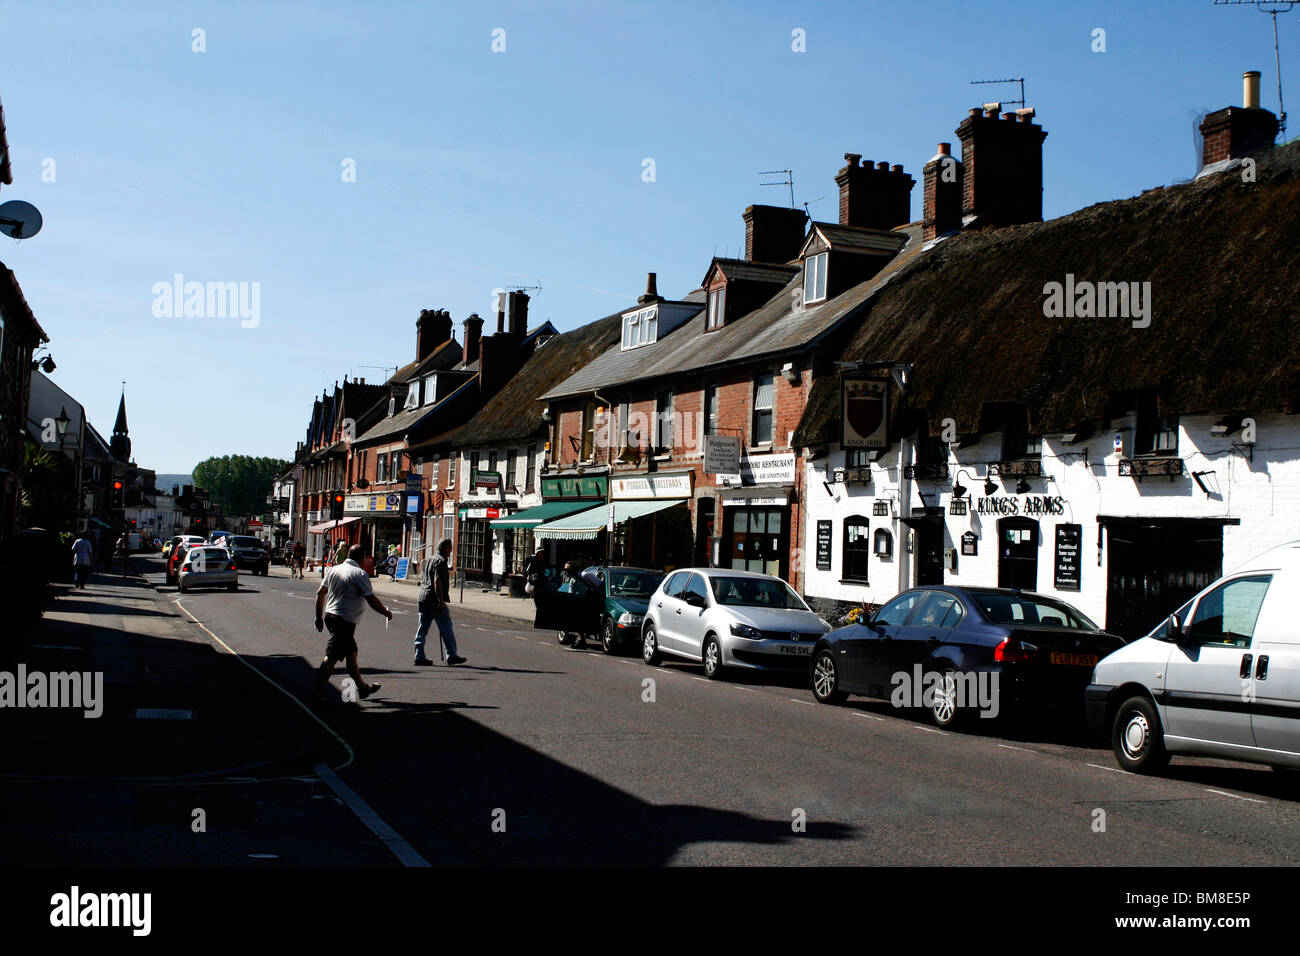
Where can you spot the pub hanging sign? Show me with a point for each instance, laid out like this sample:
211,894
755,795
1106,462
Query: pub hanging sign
864,412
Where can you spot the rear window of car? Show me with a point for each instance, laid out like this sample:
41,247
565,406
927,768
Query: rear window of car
243,541
1013,609
633,583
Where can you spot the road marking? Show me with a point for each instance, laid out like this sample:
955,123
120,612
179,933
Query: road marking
798,701
1021,749
738,687
547,643
928,730
405,853
705,679
518,638
1112,769
869,716
1234,796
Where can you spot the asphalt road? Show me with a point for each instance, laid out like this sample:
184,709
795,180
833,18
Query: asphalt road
533,753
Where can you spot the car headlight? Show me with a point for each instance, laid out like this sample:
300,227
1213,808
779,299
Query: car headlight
627,619
745,631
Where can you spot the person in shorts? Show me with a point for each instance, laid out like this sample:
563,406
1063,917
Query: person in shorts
340,603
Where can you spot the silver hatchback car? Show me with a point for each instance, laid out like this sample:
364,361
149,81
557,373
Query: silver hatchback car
207,566
730,619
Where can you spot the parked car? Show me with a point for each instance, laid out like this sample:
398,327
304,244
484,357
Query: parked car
1219,677
729,619
613,607
1040,649
208,566
182,545
250,554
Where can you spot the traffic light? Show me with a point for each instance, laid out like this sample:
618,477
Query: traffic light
198,521
336,505
118,495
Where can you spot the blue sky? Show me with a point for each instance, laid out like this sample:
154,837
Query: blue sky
476,169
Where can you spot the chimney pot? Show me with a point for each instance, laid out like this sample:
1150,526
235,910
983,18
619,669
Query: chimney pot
945,149
1008,116
517,318
896,168
853,159
473,334
873,196
882,166
974,111
992,112
1250,89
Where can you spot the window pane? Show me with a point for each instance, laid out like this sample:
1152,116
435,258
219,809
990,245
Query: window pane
763,392
762,427
1227,614
821,276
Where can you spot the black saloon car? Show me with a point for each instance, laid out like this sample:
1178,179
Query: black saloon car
954,650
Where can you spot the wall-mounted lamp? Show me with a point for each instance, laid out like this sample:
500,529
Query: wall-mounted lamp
1022,487
790,373
958,489
546,413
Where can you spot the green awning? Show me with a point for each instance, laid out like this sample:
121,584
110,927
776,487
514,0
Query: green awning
586,525
532,517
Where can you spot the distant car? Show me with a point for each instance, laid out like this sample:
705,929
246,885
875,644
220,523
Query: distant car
250,554
730,619
208,566
1041,649
182,545
613,606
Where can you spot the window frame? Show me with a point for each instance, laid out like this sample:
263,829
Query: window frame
814,277
770,411
664,422
717,314
1154,435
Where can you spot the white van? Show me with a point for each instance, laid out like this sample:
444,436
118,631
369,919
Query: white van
1220,676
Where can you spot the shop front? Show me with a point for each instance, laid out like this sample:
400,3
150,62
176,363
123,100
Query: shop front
756,515
382,522
582,492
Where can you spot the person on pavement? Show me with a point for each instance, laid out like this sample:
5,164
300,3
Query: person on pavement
82,554
340,603
432,601
572,582
536,571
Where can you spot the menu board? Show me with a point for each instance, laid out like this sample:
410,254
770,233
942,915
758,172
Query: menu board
823,545
1068,568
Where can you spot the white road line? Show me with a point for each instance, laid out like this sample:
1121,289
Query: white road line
738,687
705,679
1021,749
798,701
1234,796
547,643
518,638
929,730
56,647
1112,769
869,716
405,853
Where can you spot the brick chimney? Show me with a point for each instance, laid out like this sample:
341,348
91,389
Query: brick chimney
432,328
1237,131
517,313
501,311
1003,160
473,333
874,195
944,178
773,233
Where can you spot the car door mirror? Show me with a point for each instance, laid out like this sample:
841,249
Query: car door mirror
693,599
1174,629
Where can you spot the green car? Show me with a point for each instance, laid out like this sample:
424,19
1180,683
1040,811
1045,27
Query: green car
612,603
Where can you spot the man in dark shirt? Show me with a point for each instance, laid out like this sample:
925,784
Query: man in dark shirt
432,601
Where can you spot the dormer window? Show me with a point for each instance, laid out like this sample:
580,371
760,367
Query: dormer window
814,278
639,328
429,390
717,306
413,395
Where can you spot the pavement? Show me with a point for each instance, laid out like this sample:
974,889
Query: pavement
173,703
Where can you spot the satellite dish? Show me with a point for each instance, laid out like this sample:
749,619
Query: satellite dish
19,220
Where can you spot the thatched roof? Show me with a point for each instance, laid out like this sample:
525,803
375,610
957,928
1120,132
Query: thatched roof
514,412
1223,335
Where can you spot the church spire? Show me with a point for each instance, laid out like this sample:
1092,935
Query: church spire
120,445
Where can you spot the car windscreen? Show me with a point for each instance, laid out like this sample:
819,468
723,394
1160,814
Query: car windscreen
1021,609
632,583
244,541
756,592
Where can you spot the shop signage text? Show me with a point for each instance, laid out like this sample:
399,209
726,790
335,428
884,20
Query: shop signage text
1026,505
573,486
374,504
653,486
1068,539
762,470
721,454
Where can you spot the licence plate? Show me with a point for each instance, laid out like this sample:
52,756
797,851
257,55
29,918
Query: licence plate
801,651
1078,660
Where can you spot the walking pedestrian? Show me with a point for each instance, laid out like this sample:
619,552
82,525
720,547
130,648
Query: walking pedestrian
82,552
432,601
536,569
340,603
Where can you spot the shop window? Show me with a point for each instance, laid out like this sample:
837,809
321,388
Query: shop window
857,549
519,543
1155,434
764,396
472,553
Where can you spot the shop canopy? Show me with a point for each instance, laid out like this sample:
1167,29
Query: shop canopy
588,524
327,526
532,517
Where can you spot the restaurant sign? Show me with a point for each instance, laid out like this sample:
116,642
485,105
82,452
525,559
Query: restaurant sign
762,470
1022,505
653,486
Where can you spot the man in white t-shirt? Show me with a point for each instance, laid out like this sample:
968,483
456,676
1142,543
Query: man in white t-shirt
82,553
340,603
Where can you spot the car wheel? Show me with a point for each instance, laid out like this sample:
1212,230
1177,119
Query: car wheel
943,705
566,638
650,647
826,681
1136,738
609,637
712,655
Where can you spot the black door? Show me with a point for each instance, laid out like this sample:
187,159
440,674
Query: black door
704,532
1018,553
1154,566
929,553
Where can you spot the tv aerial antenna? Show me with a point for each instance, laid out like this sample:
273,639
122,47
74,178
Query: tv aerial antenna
1016,79
788,181
1273,8
508,287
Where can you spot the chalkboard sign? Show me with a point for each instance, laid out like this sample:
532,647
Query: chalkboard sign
969,543
1068,539
823,545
